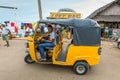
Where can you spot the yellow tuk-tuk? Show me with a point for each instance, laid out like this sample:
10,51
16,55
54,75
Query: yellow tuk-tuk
82,52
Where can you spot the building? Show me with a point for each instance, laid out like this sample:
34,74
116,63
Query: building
64,13
108,15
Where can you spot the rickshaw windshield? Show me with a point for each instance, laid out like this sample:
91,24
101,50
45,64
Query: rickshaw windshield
40,29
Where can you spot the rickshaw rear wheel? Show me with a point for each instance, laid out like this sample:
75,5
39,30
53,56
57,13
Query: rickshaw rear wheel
81,68
28,59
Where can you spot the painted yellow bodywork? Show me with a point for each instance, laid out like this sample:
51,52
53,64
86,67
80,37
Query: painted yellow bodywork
81,53
32,48
74,53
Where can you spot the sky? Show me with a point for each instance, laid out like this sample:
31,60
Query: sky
28,9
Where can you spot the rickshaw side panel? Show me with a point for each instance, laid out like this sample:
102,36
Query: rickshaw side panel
32,48
83,53
57,49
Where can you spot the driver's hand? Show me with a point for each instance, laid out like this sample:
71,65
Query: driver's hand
43,40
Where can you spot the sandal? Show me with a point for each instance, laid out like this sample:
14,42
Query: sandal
42,60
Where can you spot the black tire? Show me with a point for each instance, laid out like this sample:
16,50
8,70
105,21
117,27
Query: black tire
119,45
28,59
81,68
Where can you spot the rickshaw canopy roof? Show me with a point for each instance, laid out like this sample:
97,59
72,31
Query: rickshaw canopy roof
86,32
74,22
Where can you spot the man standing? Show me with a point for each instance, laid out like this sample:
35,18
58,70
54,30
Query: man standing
5,32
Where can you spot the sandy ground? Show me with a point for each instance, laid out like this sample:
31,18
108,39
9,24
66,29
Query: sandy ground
13,67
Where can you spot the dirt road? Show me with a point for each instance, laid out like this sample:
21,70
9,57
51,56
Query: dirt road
13,67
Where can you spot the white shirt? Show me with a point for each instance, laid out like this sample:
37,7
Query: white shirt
53,36
114,30
30,31
5,30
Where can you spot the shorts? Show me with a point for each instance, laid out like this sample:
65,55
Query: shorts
5,37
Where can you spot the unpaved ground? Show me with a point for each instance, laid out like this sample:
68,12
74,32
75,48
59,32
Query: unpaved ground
13,67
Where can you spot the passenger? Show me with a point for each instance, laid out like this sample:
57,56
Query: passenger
48,43
57,29
71,33
5,32
64,32
29,31
58,32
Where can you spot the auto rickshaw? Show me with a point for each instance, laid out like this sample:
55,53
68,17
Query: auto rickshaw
82,53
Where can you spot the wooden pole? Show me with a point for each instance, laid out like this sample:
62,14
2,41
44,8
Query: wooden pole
40,9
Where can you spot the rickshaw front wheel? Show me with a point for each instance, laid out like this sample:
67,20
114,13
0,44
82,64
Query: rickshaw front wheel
81,68
28,59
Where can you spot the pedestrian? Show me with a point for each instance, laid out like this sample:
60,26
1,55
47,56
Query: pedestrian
29,31
106,33
115,35
110,33
5,32
0,32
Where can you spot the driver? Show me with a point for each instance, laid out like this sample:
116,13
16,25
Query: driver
48,43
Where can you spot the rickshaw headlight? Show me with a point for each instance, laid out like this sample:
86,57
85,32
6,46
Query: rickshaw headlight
26,45
26,51
99,51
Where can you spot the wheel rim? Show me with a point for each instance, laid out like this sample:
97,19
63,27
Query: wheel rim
29,59
80,69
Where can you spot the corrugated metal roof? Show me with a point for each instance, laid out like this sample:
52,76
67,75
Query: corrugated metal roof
110,18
